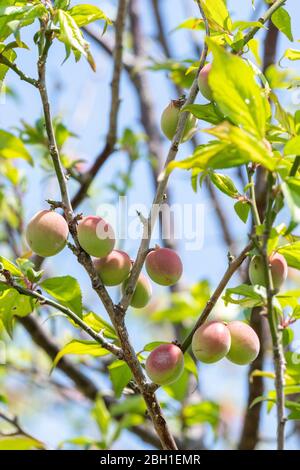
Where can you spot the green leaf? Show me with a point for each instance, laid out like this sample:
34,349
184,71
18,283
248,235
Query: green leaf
217,15
190,365
292,147
13,147
251,148
102,416
247,296
72,37
224,183
120,375
153,345
291,54
207,112
99,324
12,18
10,267
179,389
291,252
66,290
19,442
282,20
291,190
242,208
237,93
132,404
14,304
80,348
11,56
287,336
86,14
204,412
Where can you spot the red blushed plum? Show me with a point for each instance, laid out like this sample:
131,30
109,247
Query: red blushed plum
164,266
165,364
279,270
47,233
114,268
203,84
244,343
211,342
142,293
170,118
96,236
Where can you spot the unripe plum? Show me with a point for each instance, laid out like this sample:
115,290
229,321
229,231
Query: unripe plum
244,343
211,342
114,268
47,233
170,118
203,84
96,236
142,292
164,266
279,270
165,364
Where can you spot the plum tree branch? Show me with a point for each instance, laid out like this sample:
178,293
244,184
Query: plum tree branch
232,268
112,348
162,185
263,19
5,61
276,335
250,429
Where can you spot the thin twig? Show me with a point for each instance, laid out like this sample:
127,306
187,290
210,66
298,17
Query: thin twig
4,60
276,335
161,188
232,268
112,348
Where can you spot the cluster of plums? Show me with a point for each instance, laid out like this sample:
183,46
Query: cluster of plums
170,115
215,340
211,342
47,234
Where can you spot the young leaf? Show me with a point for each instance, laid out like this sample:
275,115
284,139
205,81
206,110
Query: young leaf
66,290
99,324
72,37
80,347
102,416
207,112
291,190
282,20
13,304
120,375
217,15
246,143
242,208
12,147
292,147
86,14
19,442
237,93
291,54
291,252
224,183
